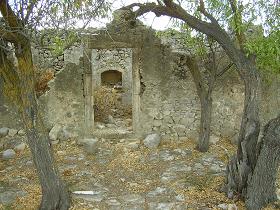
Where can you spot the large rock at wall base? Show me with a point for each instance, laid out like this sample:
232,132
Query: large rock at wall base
66,133
8,154
111,120
53,134
152,140
4,132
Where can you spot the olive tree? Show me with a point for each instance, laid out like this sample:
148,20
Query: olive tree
241,167
19,27
206,61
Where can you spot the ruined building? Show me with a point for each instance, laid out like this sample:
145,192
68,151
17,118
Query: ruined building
129,57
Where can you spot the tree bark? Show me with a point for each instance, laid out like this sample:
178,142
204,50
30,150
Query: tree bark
205,97
205,122
55,195
262,188
241,166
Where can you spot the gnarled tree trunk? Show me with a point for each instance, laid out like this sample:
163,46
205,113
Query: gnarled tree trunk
241,166
21,80
55,195
205,97
262,188
205,122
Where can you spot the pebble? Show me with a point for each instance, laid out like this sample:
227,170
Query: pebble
21,132
12,132
95,196
232,207
20,147
152,141
223,206
2,145
113,202
4,132
8,154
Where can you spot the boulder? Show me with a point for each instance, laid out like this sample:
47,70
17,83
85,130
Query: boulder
4,132
53,134
8,154
152,141
64,134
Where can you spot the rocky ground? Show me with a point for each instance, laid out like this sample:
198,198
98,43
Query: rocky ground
120,174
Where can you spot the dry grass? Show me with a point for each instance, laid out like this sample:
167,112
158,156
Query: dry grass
126,163
42,79
107,101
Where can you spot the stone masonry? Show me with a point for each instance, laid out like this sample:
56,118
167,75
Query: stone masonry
162,101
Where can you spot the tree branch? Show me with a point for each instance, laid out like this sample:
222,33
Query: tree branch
191,63
29,11
8,72
202,9
174,10
224,70
238,22
8,35
9,16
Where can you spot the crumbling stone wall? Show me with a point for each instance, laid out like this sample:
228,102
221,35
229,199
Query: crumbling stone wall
44,59
64,103
168,101
171,105
163,94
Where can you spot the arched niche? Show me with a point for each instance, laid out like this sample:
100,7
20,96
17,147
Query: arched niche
111,78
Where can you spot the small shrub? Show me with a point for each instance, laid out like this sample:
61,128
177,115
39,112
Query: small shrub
42,79
107,101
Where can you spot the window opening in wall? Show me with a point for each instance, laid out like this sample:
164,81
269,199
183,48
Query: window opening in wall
112,79
110,109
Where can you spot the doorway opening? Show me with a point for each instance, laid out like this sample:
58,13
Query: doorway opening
110,109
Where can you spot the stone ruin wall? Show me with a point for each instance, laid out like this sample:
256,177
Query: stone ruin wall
43,58
169,104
